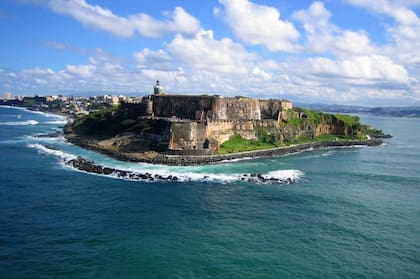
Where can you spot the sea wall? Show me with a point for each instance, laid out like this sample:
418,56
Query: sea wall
197,160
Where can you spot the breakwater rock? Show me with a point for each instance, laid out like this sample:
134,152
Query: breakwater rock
52,135
85,165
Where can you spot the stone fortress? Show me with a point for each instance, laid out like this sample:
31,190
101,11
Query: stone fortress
199,124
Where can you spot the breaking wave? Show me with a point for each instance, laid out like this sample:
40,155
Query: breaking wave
59,122
51,151
163,173
20,123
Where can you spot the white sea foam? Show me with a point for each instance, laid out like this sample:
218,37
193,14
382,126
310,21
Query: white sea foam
19,123
294,175
47,114
238,159
58,139
59,122
274,177
183,174
58,153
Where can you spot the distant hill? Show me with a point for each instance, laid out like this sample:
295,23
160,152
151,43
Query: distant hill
396,111
413,111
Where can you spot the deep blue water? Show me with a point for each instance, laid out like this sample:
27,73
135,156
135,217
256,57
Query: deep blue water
353,213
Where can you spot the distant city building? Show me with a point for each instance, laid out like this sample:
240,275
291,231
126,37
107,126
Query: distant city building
7,96
63,98
115,100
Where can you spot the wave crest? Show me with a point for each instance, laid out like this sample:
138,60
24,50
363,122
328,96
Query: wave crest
50,151
59,122
20,123
168,174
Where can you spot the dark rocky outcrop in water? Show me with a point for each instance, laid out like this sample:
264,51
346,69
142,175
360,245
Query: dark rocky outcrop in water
85,165
53,135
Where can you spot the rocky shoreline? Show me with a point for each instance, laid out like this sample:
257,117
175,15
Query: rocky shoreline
188,160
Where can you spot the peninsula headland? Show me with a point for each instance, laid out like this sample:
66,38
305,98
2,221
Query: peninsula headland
201,129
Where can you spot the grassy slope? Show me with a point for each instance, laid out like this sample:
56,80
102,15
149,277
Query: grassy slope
239,144
105,122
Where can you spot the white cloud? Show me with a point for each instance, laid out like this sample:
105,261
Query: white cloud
156,60
315,18
339,65
203,52
95,16
257,71
325,37
81,70
399,9
374,69
173,79
259,25
182,22
406,30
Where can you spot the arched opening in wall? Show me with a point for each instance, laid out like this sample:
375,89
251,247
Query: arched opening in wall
206,144
194,147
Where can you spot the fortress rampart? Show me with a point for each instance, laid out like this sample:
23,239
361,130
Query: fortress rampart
204,122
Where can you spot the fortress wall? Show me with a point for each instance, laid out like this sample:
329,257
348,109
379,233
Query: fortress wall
185,107
189,135
285,105
271,108
236,109
133,110
221,131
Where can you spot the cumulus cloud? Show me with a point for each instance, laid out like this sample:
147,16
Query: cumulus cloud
173,79
324,37
259,25
338,65
406,30
203,52
81,70
95,16
374,69
156,60
399,9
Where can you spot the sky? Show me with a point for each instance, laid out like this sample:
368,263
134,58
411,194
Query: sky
354,52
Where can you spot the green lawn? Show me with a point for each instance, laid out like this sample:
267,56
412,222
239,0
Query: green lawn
239,144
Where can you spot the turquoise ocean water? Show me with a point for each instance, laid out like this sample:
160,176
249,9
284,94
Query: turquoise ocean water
353,213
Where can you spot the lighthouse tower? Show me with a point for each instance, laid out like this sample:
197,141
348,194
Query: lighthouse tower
157,89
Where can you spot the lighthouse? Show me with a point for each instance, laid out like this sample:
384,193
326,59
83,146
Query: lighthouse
157,89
